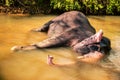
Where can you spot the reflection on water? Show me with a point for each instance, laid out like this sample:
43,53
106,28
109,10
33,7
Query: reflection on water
31,65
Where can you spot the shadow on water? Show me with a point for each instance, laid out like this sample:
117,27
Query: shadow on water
31,65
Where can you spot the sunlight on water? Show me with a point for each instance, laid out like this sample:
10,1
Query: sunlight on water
32,65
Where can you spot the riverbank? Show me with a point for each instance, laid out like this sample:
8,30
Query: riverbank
33,7
13,10
22,11
29,10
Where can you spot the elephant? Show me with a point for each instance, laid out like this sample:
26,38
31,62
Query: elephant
74,30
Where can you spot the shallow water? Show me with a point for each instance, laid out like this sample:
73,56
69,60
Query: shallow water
32,65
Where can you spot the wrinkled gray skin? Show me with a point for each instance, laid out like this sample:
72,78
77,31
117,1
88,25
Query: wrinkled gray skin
70,28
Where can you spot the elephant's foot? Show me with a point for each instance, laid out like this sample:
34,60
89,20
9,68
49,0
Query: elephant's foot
24,48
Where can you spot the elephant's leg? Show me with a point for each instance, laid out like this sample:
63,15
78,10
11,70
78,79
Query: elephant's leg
43,28
54,41
50,42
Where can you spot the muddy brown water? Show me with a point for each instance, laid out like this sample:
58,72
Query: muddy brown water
32,65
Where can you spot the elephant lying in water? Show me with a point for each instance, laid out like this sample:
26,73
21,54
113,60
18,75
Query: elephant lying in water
71,29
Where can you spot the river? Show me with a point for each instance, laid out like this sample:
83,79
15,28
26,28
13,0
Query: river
32,65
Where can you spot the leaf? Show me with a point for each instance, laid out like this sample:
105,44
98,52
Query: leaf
100,6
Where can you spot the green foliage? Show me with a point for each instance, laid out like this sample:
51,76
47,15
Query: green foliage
86,6
8,2
113,7
93,6
28,2
65,5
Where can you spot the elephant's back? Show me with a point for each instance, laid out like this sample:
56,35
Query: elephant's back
67,20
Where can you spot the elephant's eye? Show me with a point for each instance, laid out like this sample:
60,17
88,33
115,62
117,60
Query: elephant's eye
94,48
